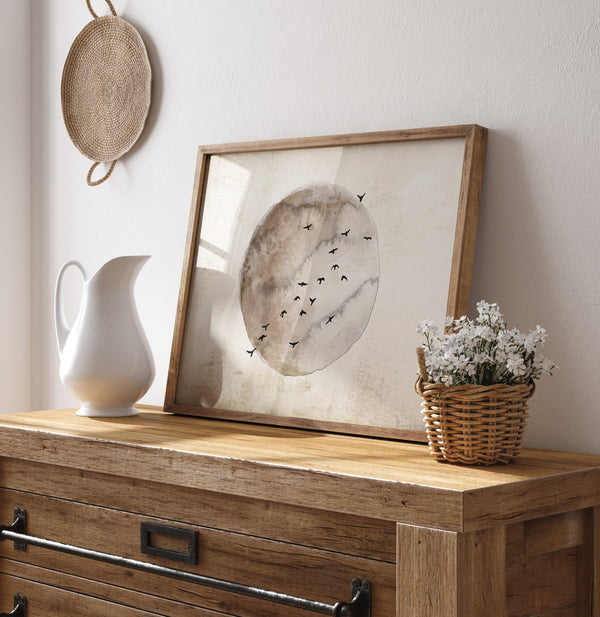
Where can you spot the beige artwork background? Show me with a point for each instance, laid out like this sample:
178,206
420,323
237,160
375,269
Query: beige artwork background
412,193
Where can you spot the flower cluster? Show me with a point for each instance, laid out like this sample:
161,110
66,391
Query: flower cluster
483,351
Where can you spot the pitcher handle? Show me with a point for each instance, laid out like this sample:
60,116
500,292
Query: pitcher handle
60,322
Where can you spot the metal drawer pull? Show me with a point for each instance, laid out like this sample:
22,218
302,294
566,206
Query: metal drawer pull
358,606
146,531
20,609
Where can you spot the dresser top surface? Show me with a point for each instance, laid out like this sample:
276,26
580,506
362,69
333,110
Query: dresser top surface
366,457
381,478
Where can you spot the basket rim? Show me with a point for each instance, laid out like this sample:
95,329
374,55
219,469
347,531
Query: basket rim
429,388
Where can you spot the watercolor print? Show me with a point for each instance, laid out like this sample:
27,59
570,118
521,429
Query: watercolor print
309,270
309,279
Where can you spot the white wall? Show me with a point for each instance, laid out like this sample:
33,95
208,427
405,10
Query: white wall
15,203
238,70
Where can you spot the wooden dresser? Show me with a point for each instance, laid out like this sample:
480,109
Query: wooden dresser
295,513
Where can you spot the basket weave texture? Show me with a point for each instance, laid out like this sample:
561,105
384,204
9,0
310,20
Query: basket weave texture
106,88
474,424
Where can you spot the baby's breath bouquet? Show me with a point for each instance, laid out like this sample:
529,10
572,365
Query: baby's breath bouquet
483,351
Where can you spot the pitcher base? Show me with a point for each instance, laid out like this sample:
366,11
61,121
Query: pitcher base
112,412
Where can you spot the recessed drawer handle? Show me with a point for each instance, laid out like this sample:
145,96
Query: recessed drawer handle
20,609
189,535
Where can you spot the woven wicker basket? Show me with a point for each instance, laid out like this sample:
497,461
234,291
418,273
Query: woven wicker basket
106,89
473,424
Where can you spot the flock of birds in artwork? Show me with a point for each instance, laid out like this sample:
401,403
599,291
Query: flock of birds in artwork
320,280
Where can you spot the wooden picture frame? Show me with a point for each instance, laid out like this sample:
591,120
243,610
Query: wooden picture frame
254,338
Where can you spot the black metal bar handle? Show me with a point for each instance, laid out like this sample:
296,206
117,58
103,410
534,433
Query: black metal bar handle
358,606
20,609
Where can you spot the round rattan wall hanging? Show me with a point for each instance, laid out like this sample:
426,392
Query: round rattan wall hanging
105,90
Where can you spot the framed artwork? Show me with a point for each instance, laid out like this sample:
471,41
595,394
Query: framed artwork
309,264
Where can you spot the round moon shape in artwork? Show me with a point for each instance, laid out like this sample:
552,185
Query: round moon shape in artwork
309,279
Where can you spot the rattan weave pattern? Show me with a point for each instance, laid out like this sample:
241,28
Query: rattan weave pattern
474,424
106,88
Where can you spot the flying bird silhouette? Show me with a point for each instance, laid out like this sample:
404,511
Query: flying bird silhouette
284,312
312,301
345,233
265,326
307,227
344,277
360,197
294,344
302,312
320,279
334,267
332,251
296,298
303,284
250,351
262,337
368,237
330,319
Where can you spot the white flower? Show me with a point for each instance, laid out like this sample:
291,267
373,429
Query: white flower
424,326
482,306
516,365
484,332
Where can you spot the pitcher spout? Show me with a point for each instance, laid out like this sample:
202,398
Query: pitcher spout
118,273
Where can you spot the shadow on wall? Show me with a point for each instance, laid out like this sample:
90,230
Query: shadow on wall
200,379
514,266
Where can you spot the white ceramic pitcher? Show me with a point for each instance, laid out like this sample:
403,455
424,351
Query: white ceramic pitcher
105,359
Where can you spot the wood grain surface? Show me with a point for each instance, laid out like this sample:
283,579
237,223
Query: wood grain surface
355,475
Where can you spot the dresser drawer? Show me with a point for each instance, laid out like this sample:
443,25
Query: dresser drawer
313,527
52,594
47,601
283,567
